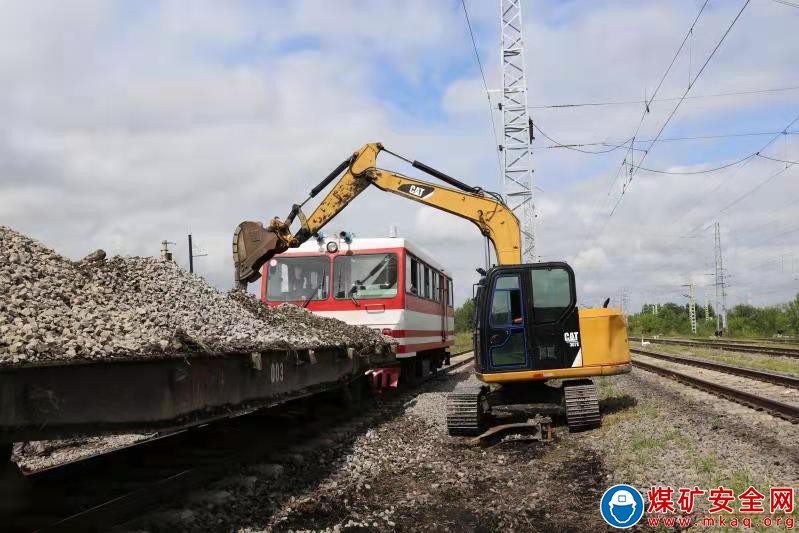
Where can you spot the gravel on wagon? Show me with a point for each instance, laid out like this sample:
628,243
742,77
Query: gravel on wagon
52,308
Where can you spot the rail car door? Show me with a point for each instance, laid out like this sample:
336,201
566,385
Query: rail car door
443,309
530,318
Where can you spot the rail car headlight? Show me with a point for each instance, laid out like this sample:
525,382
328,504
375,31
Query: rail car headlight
332,247
347,236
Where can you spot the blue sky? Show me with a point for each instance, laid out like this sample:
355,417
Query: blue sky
126,123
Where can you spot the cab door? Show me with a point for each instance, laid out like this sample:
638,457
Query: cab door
553,329
530,321
506,323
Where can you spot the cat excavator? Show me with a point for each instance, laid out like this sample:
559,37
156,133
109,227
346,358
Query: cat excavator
527,330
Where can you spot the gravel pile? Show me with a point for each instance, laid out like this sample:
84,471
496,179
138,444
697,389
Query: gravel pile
54,308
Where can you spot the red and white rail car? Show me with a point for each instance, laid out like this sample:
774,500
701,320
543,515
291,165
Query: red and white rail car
386,283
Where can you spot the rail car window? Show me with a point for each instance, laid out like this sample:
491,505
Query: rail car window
426,281
365,276
506,305
551,293
449,292
436,294
411,275
292,279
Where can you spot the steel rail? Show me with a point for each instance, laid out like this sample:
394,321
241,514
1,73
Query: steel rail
733,347
777,378
774,407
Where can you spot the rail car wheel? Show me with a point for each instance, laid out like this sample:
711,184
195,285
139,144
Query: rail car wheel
582,405
466,411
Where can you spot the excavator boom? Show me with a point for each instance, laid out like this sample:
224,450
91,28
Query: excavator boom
254,244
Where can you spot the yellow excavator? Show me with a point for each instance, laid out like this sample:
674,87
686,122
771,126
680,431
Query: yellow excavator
527,329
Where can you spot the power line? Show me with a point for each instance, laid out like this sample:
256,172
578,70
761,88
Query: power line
786,3
749,192
665,99
692,172
778,160
682,99
673,112
664,139
641,121
485,84
576,149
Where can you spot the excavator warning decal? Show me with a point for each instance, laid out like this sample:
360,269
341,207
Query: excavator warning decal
418,191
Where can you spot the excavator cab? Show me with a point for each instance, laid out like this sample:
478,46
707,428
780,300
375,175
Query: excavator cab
526,320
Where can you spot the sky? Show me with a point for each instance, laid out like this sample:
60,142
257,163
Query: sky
126,123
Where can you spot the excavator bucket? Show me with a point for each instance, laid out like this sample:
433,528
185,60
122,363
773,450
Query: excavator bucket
253,245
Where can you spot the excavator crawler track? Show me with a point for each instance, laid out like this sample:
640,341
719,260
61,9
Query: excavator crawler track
582,405
465,412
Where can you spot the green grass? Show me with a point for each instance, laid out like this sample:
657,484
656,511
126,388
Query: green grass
463,341
755,361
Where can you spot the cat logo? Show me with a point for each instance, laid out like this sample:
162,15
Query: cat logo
572,338
418,191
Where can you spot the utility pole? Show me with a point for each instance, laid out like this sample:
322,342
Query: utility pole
721,294
707,304
517,127
166,253
192,255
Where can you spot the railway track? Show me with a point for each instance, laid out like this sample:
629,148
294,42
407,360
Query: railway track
760,375
97,492
731,346
748,387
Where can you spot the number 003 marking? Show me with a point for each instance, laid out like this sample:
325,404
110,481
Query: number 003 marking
276,372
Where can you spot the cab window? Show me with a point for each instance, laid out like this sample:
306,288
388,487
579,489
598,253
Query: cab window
292,279
506,304
365,276
551,293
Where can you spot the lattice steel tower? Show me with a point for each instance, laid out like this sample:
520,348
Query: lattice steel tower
721,293
517,127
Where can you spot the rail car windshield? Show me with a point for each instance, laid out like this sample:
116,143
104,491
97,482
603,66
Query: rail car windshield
365,276
292,279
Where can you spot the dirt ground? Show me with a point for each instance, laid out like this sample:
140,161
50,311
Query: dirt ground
397,469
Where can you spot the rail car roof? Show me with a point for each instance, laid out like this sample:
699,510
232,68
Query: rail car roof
370,243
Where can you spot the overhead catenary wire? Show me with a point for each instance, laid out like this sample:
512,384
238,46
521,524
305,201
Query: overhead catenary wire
485,83
673,112
682,99
772,90
617,144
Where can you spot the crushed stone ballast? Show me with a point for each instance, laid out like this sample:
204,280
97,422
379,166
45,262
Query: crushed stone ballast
55,309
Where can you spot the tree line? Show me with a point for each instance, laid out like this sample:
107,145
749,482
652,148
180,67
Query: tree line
743,320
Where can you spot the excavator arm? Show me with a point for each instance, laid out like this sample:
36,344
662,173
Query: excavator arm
254,244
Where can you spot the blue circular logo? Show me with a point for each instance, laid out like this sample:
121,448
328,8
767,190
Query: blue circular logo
622,506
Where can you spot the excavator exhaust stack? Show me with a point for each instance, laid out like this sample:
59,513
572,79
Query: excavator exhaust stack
253,245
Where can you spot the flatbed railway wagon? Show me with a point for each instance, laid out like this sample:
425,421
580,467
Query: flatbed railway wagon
388,284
